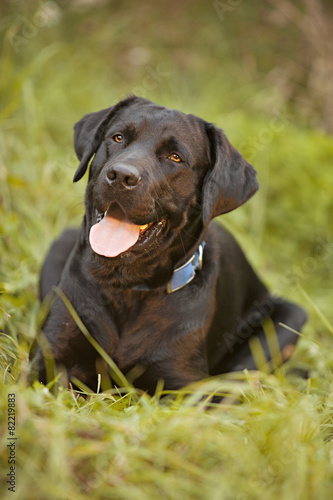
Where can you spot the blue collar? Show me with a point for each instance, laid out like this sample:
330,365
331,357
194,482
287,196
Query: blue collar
183,275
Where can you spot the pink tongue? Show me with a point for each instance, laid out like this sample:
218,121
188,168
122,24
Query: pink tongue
112,236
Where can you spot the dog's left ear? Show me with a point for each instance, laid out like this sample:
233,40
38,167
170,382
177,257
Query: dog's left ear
88,133
229,182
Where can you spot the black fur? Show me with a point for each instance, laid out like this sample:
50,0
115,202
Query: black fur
204,328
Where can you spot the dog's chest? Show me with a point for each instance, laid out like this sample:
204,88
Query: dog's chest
148,325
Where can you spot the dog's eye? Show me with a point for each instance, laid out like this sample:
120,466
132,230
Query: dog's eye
118,138
175,157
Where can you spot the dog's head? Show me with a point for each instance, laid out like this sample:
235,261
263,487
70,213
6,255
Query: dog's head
156,172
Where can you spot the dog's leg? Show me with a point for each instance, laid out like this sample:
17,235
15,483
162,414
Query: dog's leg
174,372
282,313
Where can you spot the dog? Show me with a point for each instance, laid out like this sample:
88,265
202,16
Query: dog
165,293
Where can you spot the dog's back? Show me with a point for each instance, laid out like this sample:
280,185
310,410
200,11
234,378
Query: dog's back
55,261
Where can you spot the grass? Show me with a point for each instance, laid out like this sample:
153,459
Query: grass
273,436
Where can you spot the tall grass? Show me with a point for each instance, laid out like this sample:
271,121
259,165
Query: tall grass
272,436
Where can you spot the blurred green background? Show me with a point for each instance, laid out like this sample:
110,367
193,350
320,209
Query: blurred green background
263,71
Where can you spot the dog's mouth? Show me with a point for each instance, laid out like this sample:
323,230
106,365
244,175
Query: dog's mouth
113,233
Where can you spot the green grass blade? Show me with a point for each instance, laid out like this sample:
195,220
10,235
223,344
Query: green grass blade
116,373
317,310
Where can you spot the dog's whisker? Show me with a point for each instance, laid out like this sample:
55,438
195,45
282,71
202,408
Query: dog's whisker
181,239
195,238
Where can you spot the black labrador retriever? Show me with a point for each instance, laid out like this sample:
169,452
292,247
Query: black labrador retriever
159,287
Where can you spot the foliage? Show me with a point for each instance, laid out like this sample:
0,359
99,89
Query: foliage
63,59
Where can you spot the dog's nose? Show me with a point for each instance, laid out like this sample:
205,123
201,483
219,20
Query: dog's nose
127,175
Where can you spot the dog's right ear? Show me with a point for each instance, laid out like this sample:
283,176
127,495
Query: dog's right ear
88,134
